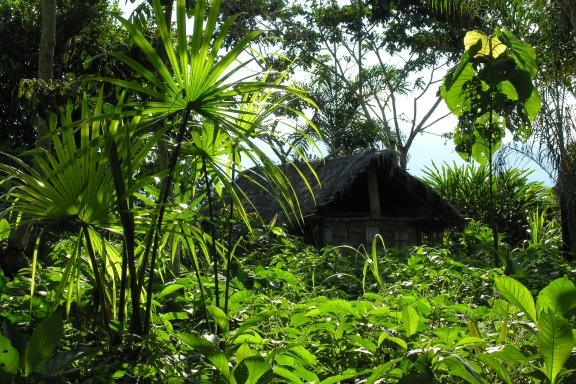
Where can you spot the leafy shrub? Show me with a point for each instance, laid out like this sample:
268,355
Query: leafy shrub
515,197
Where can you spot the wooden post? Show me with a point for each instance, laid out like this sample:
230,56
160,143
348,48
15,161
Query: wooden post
374,195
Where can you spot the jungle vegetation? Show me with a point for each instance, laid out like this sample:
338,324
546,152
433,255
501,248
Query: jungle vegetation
127,254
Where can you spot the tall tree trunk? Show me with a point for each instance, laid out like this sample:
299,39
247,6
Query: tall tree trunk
46,63
13,255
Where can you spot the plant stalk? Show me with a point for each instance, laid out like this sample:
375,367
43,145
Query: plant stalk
163,198
101,297
229,250
212,233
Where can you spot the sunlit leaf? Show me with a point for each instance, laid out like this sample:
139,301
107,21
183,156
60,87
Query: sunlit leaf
523,53
4,229
517,294
252,370
558,297
410,319
555,342
219,316
9,356
490,46
208,350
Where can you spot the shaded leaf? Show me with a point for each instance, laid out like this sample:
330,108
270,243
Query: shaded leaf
43,342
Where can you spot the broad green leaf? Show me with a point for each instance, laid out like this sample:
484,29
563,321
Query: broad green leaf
304,354
219,316
306,374
455,96
523,53
473,328
170,316
533,104
208,350
168,290
469,340
558,297
255,319
252,370
462,368
396,340
362,342
9,356
516,293
504,326
287,374
43,342
410,320
521,82
508,89
243,352
4,229
508,353
382,370
253,338
555,342
339,378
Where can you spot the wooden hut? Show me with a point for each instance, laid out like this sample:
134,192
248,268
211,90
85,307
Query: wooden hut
358,197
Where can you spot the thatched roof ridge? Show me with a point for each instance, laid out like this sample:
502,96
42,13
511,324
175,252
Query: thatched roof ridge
336,176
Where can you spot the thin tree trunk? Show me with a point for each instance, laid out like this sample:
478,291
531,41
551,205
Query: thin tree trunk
567,215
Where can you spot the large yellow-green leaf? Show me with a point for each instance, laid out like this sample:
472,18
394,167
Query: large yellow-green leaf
9,356
491,46
219,317
555,342
516,293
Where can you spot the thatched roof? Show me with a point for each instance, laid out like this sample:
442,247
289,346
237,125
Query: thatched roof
336,176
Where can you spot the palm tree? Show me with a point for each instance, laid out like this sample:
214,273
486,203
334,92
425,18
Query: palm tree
98,181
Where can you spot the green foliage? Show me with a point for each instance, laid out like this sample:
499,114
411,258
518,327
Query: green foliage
9,357
43,342
555,338
298,315
122,242
466,187
4,229
490,90
33,356
83,29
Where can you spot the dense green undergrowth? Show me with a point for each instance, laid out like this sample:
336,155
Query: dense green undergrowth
299,315
135,273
